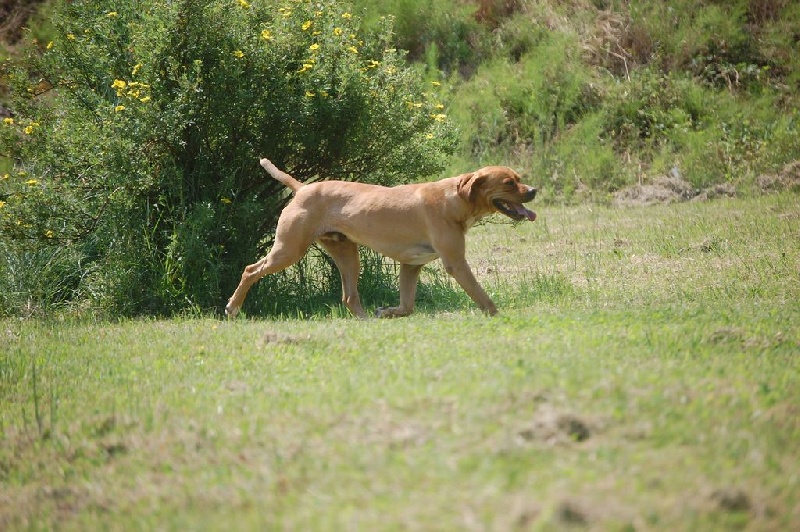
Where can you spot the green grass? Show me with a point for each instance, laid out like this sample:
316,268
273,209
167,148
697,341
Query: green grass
644,373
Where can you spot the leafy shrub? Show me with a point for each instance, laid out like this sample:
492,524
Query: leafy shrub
137,135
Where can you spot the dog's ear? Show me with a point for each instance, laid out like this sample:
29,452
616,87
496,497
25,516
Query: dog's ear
469,185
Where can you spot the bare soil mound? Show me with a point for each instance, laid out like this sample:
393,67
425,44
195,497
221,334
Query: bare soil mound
14,14
669,189
787,179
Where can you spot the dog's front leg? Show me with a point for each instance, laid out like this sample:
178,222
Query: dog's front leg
461,272
451,248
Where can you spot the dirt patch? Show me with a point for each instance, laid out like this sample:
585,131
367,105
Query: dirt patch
667,189
554,427
731,500
787,179
276,338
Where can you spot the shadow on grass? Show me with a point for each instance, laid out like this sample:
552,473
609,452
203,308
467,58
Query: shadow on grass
312,288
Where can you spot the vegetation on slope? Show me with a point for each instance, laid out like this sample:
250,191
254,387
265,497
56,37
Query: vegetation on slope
589,98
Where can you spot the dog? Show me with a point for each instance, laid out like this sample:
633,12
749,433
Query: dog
412,224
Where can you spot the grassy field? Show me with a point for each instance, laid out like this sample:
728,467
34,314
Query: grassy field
644,373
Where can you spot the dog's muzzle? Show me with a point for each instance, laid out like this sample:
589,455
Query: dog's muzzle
517,211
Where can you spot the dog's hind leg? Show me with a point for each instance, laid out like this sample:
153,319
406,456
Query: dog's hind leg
276,260
409,276
345,254
291,243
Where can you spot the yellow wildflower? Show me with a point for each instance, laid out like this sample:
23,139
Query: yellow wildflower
30,128
429,136
373,63
244,4
2,204
119,84
238,54
8,121
337,31
314,47
6,176
145,99
49,234
306,67
347,15
266,35
439,117
136,68
31,182
226,201
119,108
307,24
310,94
70,36
111,14
49,45
435,83
353,49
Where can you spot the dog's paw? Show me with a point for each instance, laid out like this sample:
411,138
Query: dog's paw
231,311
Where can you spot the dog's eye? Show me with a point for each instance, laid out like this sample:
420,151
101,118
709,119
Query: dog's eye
508,182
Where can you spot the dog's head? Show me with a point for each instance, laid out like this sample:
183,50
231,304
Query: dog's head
497,189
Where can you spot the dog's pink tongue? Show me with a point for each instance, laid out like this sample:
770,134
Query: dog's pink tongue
530,215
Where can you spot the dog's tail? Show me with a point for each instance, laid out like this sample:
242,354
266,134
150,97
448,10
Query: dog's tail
281,176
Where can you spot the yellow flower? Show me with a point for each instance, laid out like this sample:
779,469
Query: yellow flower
244,4
439,117
307,24
309,94
8,121
136,68
2,204
31,182
238,54
6,176
266,35
70,36
429,136
50,45
111,14
226,201
337,31
119,84
306,67
435,83
439,106
49,234
347,15
372,63
30,128
353,49
119,108
145,99
314,47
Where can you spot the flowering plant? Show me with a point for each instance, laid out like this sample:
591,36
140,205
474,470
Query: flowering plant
143,122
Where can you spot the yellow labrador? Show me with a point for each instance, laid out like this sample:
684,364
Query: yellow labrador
412,224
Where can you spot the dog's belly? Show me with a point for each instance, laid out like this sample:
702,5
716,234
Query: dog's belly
417,254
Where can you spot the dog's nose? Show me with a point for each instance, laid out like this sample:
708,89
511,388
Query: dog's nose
530,194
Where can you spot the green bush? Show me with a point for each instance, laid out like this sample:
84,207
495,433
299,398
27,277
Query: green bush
138,131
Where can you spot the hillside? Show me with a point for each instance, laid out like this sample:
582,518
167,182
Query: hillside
591,96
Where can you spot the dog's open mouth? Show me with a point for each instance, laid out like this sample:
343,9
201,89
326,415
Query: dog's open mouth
515,211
